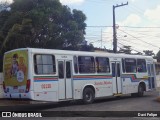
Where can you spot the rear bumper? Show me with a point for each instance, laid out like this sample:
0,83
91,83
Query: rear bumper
18,95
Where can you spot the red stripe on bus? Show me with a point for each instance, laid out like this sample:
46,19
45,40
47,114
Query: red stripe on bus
45,78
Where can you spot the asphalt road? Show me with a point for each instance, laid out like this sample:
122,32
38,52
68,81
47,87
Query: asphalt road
125,103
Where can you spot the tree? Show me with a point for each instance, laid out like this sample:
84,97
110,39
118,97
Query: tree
138,53
125,49
149,53
86,47
158,56
41,24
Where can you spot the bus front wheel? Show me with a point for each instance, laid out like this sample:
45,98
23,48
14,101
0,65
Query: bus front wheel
88,95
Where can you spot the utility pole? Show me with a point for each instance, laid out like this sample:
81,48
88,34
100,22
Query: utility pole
114,27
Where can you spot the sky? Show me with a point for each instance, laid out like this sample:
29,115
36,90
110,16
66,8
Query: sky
138,23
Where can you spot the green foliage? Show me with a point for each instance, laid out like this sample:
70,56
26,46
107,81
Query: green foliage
41,24
125,49
158,56
89,47
149,53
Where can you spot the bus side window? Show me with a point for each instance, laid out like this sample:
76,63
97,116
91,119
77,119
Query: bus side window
102,65
130,65
141,65
86,64
37,64
44,64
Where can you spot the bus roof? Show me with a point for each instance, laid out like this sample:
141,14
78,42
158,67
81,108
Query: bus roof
70,52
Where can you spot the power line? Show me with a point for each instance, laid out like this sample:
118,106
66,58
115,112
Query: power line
98,26
127,41
139,27
123,26
141,34
130,48
139,39
137,9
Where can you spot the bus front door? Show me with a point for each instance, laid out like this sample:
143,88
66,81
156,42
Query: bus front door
116,75
65,79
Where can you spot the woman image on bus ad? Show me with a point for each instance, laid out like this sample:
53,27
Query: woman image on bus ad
14,67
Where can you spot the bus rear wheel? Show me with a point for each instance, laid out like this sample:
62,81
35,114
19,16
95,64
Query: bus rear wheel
88,95
140,91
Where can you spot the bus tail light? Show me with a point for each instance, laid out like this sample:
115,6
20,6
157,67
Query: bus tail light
28,86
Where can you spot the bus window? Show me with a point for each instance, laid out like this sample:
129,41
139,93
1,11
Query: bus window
118,70
113,70
102,65
86,64
123,65
60,69
44,64
68,69
141,65
75,64
130,65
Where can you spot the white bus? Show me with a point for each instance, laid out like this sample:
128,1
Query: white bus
60,75
157,67
1,85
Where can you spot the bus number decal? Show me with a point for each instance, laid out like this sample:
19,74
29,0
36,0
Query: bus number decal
45,86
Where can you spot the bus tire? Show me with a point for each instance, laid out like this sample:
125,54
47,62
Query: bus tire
140,91
88,95
134,94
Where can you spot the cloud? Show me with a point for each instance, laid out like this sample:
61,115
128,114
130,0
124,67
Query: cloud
67,2
138,38
133,0
153,14
132,19
3,1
